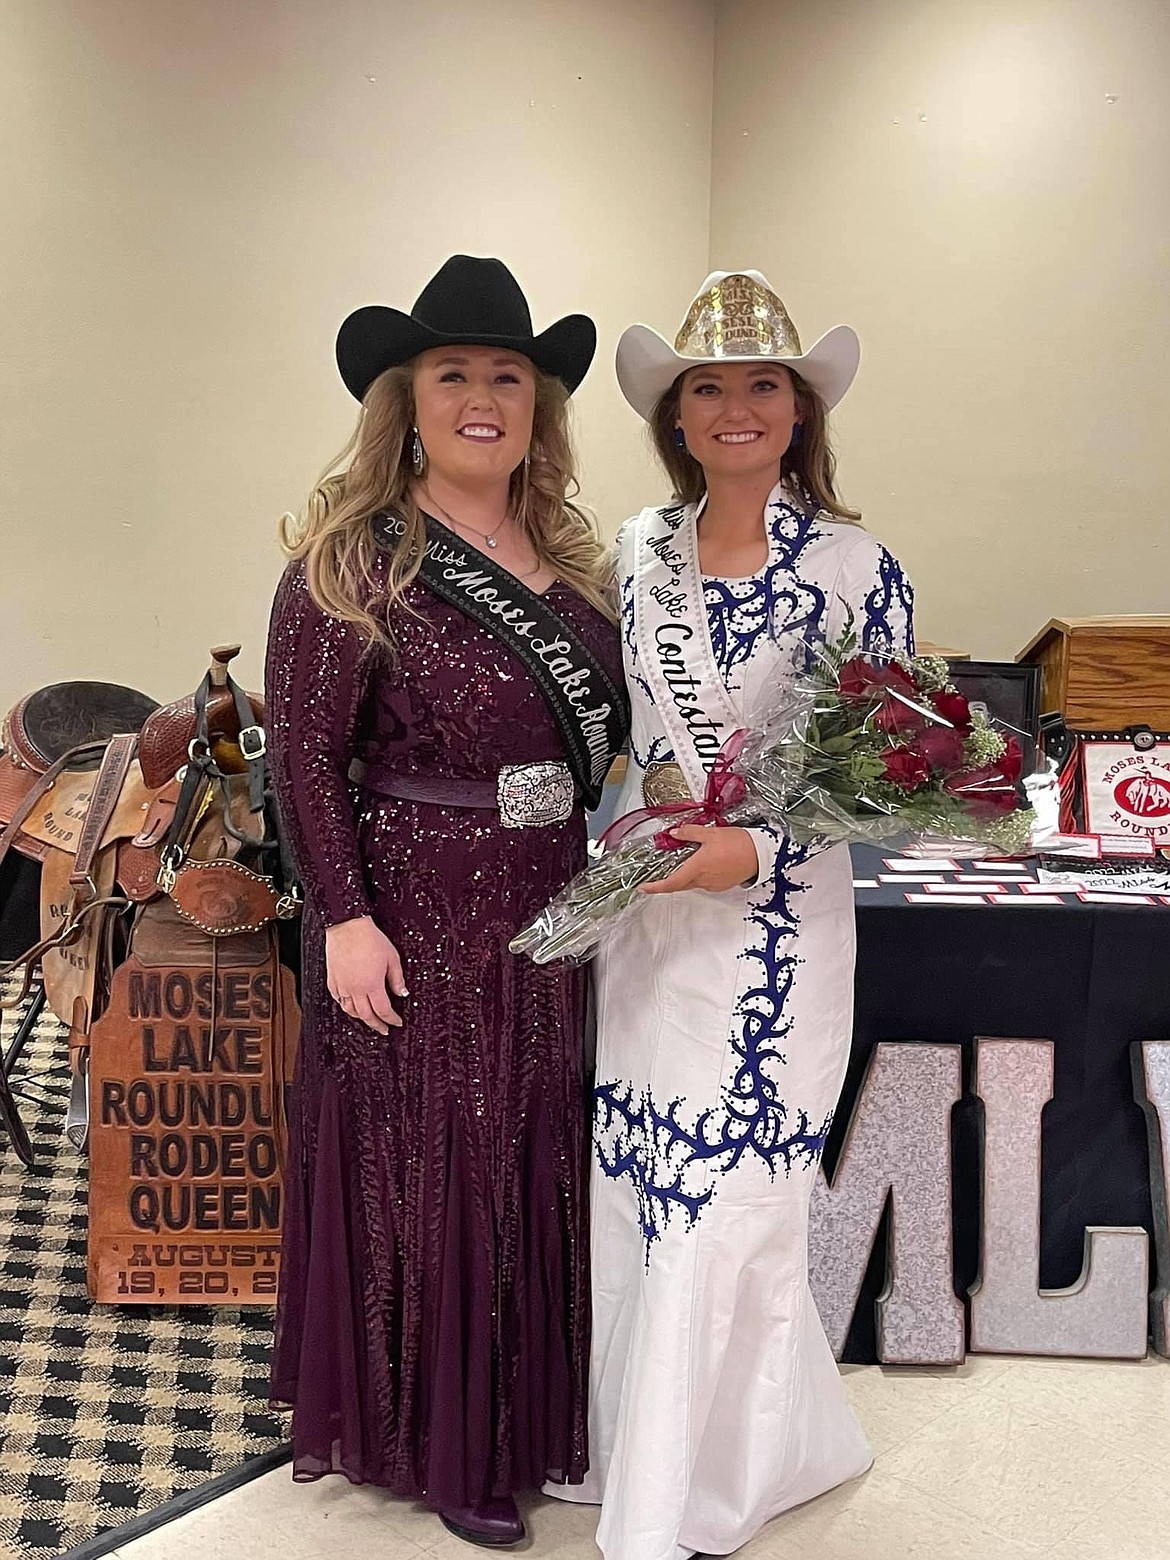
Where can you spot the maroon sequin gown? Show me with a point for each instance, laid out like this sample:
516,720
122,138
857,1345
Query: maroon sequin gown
433,1324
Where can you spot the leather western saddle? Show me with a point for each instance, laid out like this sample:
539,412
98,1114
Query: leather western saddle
155,831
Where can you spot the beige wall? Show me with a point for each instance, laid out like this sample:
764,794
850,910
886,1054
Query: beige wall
952,178
195,192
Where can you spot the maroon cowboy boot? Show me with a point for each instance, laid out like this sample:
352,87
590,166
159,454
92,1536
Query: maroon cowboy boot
493,1524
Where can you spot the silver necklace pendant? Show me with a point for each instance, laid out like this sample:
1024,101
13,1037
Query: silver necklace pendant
491,541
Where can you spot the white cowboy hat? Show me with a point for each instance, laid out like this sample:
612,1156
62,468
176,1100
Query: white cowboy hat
736,315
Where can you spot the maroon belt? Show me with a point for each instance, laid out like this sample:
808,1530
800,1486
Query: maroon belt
425,788
526,796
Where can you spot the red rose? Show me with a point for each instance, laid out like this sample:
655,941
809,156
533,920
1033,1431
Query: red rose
985,790
897,719
1012,761
906,768
953,707
941,747
859,679
855,680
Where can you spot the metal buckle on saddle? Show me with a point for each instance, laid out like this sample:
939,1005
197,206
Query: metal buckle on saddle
531,796
253,744
170,860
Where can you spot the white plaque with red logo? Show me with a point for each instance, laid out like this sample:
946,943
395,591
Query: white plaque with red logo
1127,792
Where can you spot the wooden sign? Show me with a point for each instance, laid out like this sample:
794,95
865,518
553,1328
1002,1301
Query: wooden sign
187,1067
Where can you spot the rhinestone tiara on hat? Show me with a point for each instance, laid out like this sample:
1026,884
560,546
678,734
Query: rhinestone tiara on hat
737,315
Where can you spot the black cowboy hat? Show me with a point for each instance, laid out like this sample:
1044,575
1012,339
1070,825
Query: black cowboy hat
468,303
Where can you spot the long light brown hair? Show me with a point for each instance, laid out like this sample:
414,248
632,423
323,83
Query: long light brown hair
334,534
810,464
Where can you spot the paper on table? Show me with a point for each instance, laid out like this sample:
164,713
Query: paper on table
944,899
1135,879
1088,845
1090,896
1126,845
1026,899
935,889
921,864
909,877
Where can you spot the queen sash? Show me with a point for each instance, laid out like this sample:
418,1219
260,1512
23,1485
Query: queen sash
673,638
591,712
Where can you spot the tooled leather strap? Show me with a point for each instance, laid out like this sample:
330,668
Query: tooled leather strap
44,783
15,740
106,791
30,958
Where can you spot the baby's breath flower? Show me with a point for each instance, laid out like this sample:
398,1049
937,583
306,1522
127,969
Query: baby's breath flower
932,672
983,746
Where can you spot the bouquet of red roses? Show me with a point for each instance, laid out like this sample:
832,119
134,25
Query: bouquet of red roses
858,747
885,746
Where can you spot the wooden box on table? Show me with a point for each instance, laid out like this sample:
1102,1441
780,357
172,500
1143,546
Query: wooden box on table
1104,673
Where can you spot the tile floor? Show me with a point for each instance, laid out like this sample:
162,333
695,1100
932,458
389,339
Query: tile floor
1001,1459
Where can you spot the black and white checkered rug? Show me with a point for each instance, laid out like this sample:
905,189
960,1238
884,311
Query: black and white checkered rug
111,1418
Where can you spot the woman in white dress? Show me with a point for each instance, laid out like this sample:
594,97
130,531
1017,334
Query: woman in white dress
725,1007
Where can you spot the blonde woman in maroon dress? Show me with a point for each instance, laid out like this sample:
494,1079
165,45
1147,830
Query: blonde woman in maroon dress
444,693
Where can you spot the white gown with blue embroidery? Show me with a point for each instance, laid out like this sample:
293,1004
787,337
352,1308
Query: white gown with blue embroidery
724,1025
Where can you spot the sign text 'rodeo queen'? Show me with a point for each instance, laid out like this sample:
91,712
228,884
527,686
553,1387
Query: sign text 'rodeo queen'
185,1183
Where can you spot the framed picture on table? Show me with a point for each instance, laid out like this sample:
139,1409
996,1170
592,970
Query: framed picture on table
1010,691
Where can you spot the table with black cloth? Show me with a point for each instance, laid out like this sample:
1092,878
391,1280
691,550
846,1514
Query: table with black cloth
1092,978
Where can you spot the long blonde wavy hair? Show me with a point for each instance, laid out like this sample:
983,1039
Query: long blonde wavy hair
812,465
334,532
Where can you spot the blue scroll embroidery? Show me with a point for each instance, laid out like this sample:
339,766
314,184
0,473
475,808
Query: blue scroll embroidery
774,603
671,1163
659,752
891,593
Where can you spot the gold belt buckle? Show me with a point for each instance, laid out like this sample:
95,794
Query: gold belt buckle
665,782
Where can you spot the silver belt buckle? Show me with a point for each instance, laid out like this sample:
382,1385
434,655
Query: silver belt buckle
533,795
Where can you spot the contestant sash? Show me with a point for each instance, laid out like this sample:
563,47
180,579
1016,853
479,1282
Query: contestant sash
674,641
591,711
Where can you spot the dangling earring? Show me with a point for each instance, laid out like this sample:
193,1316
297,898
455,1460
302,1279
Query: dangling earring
418,456
680,439
524,470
